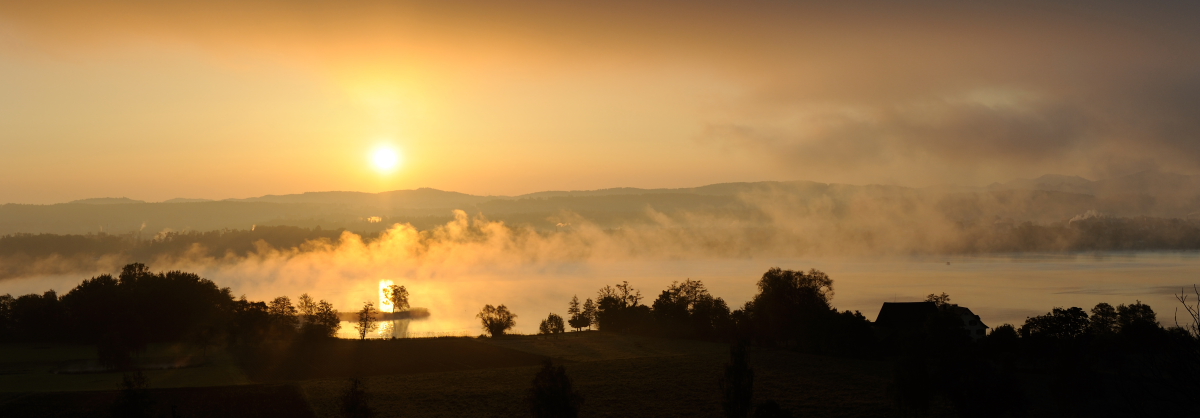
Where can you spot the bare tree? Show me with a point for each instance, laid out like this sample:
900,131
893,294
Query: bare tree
1193,311
367,322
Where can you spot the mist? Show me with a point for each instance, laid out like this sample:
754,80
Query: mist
454,267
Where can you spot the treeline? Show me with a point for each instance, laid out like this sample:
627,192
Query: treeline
1092,234
1117,361
791,309
123,315
136,246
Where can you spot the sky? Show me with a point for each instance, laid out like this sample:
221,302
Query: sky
157,100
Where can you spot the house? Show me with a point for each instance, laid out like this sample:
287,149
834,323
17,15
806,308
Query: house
971,322
906,318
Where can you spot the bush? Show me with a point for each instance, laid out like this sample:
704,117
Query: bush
553,324
496,319
356,400
552,395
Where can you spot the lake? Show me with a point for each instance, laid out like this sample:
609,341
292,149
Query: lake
999,288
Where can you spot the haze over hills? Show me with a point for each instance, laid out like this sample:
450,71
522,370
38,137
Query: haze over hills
1045,199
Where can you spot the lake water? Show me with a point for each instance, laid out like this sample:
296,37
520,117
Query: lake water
999,288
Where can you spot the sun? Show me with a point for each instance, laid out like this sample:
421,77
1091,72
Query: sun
385,159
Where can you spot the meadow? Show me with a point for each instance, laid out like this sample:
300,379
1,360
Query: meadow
618,375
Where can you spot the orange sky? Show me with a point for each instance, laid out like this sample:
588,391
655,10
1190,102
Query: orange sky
155,100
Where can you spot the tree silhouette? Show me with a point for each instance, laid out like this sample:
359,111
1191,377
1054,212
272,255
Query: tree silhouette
576,316
1103,320
552,395
398,295
322,322
939,300
284,317
307,307
553,324
1058,324
366,320
589,313
356,402
737,384
1135,317
792,307
496,320
1192,325
618,309
7,328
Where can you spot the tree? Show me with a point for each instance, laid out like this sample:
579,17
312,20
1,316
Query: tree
618,309
737,384
553,324
398,295
366,320
574,314
496,320
1103,320
7,329
1192,326
792,306
625,294
1058,324
552,395
589,313
323,322
1135,317
356,402
307,307
939,300
283,314
688,309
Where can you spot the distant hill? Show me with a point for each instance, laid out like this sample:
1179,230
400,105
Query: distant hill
185,200
1051,182
419,198
105,201
1049,198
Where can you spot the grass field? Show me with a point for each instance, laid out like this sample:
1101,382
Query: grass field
36,368
628,376
618,375
346,358
250,401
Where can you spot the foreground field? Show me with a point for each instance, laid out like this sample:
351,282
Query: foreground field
628,376
250,401
55,368
618,375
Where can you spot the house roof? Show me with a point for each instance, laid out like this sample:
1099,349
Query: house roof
905,314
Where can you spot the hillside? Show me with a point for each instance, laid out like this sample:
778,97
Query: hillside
1046,199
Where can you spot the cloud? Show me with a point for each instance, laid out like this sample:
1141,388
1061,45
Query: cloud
914,93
